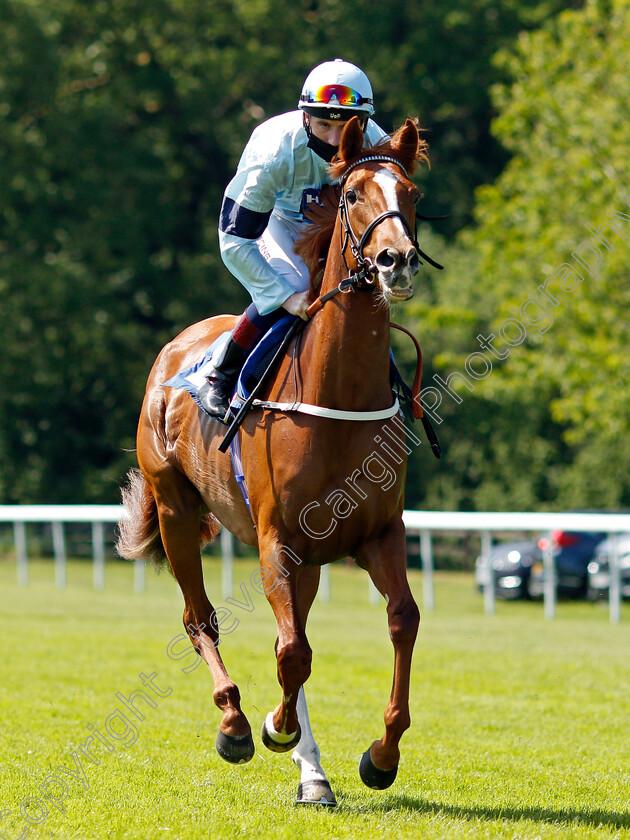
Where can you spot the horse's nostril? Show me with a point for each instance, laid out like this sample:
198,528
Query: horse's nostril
413,261
387,258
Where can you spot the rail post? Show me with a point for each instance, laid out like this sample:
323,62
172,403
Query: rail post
59,550
21,556
98,555
549,586
426,555
614,592
227,563
489,599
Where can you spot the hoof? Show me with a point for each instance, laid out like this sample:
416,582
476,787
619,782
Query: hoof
316,793
373,776
237,749
278,746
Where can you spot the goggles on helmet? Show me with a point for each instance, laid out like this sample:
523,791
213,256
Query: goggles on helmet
345,97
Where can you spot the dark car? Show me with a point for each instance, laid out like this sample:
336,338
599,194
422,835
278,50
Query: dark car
572,552
511,564
598,570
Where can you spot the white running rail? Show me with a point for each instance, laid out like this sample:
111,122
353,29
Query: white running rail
424,523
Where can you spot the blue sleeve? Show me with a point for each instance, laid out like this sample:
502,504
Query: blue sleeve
240,221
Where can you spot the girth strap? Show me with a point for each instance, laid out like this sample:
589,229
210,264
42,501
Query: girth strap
330,413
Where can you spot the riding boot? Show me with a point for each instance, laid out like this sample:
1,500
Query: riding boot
215,396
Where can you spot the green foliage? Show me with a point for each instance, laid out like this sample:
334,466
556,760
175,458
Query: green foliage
121,123
565,118
573,94
113,172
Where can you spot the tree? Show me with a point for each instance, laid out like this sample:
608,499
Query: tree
433,59
121,123
548,272
117,119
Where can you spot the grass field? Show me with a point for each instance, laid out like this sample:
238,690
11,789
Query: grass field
519,725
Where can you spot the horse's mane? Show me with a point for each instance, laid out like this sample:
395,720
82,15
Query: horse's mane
314,243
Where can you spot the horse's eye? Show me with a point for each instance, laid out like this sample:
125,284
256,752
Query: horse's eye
351,197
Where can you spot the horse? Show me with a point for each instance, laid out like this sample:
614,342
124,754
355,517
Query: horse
314,497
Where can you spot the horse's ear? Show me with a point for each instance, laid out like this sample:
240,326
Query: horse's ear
405,143
351,141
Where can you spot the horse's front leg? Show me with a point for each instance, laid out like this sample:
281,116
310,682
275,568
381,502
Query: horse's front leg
314,787
280,570
385,561
291,601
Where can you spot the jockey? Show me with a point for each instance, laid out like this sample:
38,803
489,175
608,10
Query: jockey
281,171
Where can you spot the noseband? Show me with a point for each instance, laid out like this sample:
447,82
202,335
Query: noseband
365,269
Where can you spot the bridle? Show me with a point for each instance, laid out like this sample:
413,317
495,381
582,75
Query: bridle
365,274
365,269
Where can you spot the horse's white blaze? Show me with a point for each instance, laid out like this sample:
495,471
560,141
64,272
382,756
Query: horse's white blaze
387,181
306,755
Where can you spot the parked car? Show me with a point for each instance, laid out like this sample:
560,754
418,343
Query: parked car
511,564
598,570
572,552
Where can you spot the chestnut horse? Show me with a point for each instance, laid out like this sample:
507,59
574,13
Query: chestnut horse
314,490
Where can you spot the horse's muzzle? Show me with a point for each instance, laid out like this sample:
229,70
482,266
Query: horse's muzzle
396,272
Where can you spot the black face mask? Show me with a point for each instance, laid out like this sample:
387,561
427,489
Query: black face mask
324,150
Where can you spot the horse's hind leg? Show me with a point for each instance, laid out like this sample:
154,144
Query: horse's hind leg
178,505
385,561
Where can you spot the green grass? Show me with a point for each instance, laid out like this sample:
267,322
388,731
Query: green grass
519,725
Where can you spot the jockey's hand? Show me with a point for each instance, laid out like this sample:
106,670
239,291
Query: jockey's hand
297,304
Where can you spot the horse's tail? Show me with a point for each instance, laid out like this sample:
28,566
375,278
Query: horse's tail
139,536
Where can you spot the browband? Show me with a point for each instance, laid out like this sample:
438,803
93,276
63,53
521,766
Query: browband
369,159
